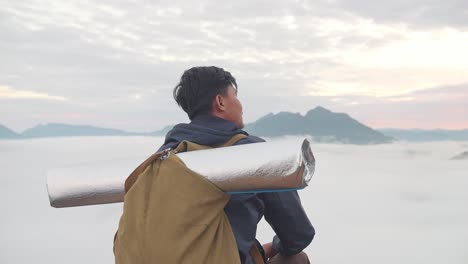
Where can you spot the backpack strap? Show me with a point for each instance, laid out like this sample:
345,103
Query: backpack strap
232,141
186,146
131,179
256,254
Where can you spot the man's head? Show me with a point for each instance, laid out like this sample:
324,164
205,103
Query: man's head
209,90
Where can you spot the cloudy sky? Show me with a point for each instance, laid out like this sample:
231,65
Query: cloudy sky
400,64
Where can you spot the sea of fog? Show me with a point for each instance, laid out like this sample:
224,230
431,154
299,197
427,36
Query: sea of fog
392,203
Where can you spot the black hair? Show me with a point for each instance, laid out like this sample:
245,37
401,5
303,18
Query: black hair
198,86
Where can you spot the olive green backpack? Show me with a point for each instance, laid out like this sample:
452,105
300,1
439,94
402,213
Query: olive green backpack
174,215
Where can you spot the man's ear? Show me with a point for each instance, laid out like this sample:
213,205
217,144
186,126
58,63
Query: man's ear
218,103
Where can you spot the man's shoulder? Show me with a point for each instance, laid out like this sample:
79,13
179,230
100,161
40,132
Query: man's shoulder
250,139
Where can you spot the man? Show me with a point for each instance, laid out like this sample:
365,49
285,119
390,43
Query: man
209,97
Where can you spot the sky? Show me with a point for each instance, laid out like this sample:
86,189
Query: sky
392,64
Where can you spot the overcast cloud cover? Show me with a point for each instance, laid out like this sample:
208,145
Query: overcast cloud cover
114,63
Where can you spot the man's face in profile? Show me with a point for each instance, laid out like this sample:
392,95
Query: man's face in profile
233,107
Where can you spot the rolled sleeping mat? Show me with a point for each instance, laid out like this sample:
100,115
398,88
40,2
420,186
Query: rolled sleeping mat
279,165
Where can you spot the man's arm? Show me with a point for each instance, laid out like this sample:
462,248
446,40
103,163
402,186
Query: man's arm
284,213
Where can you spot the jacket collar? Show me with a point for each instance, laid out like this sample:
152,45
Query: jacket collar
214,122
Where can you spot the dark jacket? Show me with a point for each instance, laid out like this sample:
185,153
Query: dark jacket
282,210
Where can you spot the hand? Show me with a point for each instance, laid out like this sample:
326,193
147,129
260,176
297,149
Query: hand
269,250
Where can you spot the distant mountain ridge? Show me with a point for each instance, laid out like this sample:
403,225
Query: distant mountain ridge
64,130
161,132
67,130
5,132
421,135
320,123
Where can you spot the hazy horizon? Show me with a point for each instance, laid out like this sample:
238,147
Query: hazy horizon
142,130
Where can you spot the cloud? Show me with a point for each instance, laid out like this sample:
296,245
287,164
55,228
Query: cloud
415,13
437,107
9,93
110,55
312,45
451,93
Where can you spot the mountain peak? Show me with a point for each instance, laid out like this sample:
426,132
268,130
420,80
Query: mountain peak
320,123
320,109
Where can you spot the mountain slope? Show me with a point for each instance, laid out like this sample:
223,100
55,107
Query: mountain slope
161,132
64,130
5,132
322,124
